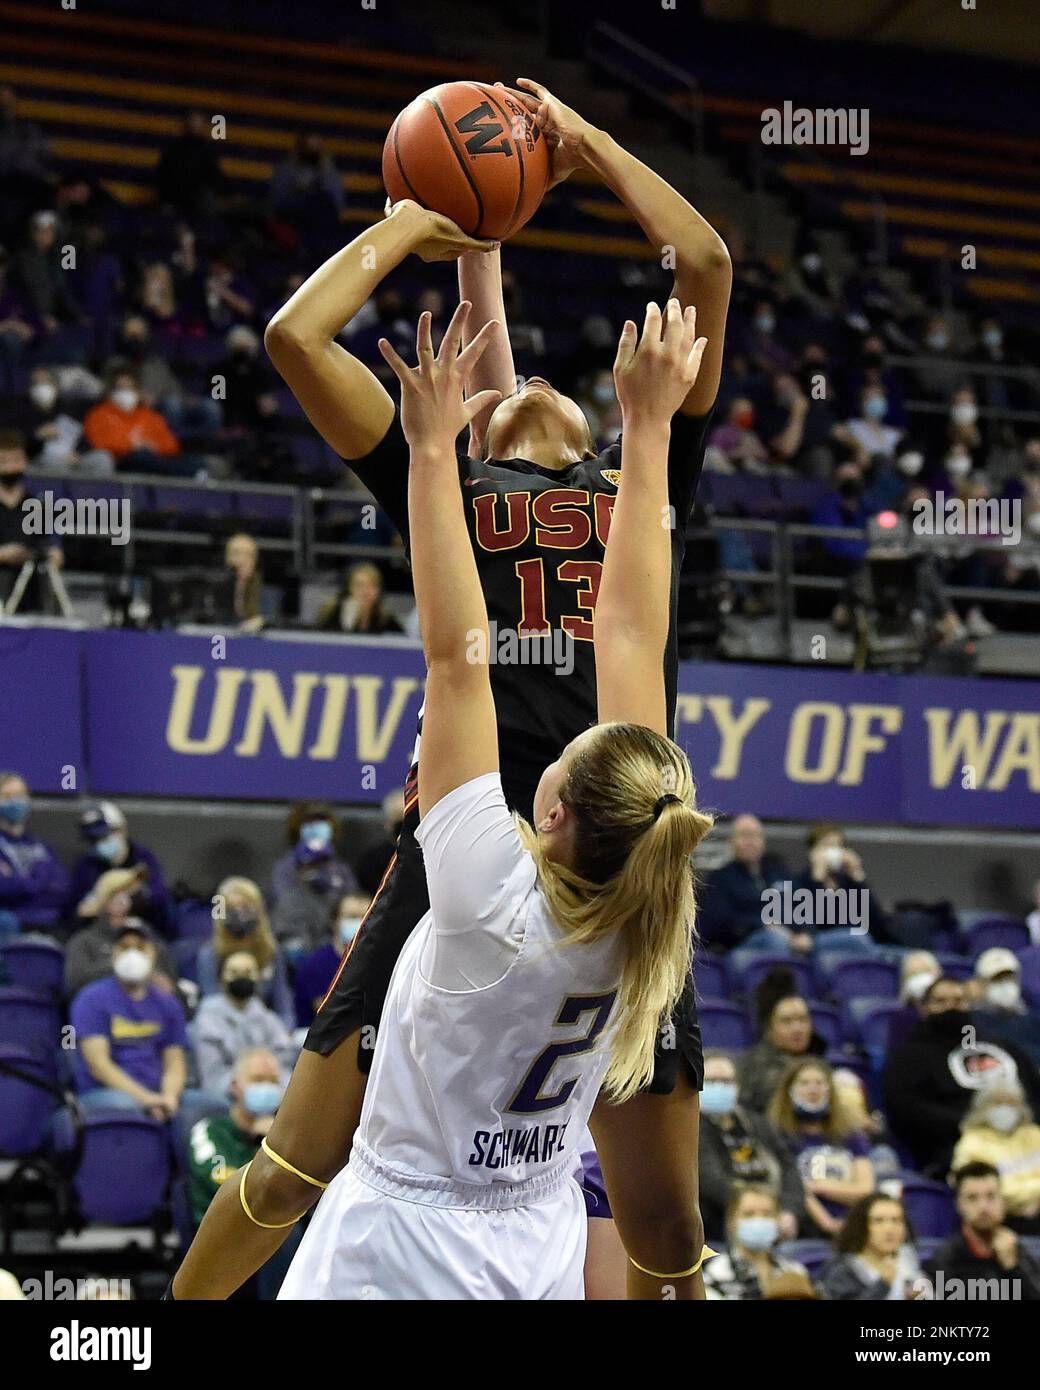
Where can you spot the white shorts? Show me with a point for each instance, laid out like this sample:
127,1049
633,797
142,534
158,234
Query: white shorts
377,1234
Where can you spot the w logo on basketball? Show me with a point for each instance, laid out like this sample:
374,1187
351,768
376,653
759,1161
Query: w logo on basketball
482,127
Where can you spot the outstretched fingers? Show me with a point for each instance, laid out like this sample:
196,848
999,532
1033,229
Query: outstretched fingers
394,361
474,350
627,344
453,334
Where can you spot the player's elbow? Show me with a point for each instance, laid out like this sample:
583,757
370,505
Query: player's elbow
285,340
711,260
276,1196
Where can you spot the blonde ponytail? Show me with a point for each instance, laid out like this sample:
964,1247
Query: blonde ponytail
631,792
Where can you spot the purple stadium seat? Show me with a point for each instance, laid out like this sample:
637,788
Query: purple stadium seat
827,1022
814,1254
125,1168
929,1205
859,977
34,965
871,1019
194,919
30,1020
957,967
25,1109
1030,961
747,968
724,1025
711,977
1011,932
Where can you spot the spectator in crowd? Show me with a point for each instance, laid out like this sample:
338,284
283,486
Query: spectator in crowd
999,1129
749,1265
785,1024
45,281
731,904
736,444
315,972
930,1079
301,913
310,821
33,883
1033,920
161,389
131,1051
738,1146
236,1018
240,923
359,605
936,377
985,1247
373,862
600,406
867,436
843,507
221,1145
834,869
307,186
918,970
136,436
998,987
103,827
888,481
108,907
877,1262
24,152
833,1155
762,342
250,403
851,1091
237,597
228,295
14,552
52,435
188,175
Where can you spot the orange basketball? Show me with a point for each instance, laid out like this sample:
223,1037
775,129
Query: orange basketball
472,152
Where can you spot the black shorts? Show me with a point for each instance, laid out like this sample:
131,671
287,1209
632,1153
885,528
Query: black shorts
355,998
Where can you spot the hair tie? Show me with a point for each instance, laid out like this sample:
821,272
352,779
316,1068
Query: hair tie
662,802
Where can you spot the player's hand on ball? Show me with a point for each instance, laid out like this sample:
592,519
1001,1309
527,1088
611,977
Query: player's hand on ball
563,128
433,406
439,239
653,373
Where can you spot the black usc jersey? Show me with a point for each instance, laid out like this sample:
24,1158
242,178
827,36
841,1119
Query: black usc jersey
538,536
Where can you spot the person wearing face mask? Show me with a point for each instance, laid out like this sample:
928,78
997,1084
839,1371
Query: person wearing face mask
315,972
236,1018
131,1037
52,433
136,436
312,820
868,435
891,480
103,829
985,1247
877,1262
936,375
999,1129
963,425
250,405
749,1266
998,989
220,1145
737,439
842,507
932,1077
762,342
33,883
110,905
300,915
833,1155
14,551
241,923
599,403
786,1028
918,970
738,1146
833,866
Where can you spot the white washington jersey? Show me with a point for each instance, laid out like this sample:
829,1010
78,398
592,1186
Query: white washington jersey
493,1044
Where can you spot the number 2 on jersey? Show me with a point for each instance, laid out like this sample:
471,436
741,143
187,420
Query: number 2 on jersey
528,1098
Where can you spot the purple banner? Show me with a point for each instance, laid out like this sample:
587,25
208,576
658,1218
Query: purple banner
41,722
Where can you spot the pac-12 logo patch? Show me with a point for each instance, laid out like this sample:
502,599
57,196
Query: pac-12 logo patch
612,475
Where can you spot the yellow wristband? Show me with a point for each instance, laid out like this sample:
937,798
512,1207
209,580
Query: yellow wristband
266,1225
706,1254
283,1163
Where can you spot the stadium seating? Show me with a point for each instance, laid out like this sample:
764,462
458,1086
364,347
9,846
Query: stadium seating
124,1170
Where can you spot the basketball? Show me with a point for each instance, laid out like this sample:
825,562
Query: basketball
472,152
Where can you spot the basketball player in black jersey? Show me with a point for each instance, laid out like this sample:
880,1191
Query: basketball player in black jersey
538,504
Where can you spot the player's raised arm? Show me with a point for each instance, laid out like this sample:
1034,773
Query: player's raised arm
460,736
480,282
703,272
343,400
651,377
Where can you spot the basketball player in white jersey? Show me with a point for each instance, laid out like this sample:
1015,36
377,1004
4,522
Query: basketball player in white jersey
539,978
